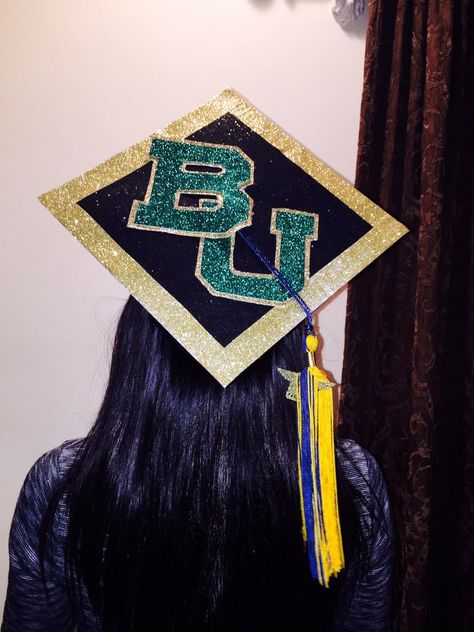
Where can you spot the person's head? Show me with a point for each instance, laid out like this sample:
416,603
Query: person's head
183,501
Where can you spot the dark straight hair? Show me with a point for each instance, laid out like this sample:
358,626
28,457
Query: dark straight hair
183,499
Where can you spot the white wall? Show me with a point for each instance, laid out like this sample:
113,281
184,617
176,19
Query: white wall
83,80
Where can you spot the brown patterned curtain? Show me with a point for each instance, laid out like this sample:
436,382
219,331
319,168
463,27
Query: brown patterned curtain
409,361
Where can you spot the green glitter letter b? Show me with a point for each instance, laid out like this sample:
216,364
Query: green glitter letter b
213,174
294,229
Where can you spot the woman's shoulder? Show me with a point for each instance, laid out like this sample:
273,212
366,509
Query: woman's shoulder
367,583
56,461
363,472
358,464
43,476
59,459
30,603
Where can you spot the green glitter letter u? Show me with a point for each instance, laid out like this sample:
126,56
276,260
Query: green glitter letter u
294,229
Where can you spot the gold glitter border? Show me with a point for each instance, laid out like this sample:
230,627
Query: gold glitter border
224,363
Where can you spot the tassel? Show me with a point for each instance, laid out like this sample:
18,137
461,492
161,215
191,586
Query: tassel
317,470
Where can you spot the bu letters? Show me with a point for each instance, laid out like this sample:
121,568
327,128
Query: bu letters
198,189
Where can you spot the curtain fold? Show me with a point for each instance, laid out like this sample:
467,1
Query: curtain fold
408,376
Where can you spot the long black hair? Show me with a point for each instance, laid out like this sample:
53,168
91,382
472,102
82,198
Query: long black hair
183,499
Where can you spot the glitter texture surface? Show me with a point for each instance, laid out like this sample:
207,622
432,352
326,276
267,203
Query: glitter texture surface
293,229
224,363
231,210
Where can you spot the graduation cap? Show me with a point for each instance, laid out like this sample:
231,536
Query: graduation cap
216,225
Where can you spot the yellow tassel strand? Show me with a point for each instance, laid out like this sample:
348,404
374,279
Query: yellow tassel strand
318,488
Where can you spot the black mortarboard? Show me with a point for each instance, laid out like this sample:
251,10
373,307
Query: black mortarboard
164,218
